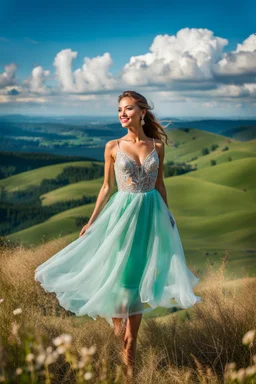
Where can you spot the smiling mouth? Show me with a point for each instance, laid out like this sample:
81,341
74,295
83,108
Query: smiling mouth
124,120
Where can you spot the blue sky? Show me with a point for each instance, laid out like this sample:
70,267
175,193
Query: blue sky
33,34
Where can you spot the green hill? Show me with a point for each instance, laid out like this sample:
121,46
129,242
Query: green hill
208,215
187,145
237,174
214,206
24,180
73,191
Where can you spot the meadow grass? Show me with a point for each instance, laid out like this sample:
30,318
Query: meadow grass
41,342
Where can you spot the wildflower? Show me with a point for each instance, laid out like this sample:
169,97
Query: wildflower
249,337
251,370
88,375
231,366
18,371
49,349
57,341
51,359
92,350
66,338
30,357
41,359
61,349
84,351
15,328
241,375
81,364
88,351
17,311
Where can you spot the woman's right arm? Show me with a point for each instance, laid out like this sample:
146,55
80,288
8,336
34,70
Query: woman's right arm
107,186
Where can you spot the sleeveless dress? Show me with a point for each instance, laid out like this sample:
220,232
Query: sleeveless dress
130,260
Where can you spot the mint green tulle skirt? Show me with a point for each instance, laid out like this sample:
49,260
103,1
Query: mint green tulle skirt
129,261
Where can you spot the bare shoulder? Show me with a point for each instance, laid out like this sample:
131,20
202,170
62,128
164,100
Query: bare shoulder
111,147
159,145
110,144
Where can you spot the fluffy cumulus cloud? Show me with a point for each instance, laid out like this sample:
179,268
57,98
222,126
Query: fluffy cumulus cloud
190,64
239,65
93,76
36,82
8,77
188,56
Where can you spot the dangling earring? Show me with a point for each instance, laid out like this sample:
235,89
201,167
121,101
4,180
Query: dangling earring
142,121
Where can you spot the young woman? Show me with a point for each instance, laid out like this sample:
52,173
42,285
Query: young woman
128,258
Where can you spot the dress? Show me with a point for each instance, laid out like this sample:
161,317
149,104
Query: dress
130,260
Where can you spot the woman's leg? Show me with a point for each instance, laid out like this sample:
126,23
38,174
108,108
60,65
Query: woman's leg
130,342
119,326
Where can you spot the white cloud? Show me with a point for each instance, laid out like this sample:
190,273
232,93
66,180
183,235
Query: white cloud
188,67
190,55
93,76
8,76
63,64
241,62
35,83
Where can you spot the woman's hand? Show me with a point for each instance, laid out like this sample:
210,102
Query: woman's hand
84,229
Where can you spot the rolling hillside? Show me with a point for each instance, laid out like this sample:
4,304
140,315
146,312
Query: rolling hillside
211,217
188,144
27,179
237,174
214,206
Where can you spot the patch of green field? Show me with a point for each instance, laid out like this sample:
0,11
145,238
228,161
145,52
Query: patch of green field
189,148
27,179
237,174
73,191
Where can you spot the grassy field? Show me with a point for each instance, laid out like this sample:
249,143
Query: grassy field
189,147
187,346
34,178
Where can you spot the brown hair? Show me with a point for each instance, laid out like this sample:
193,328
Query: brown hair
152,128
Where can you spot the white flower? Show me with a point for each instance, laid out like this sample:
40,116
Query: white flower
57,341
251,370
50,359
231,366
30,357
18,371
249,337
41,358
241,375
88,375
15,328
81,364
66,338
17,311
1,300
61,349
84,351
49,349
92,350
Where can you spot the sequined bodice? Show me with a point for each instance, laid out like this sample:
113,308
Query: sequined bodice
132,177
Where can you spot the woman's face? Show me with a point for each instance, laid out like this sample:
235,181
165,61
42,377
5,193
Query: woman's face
129,113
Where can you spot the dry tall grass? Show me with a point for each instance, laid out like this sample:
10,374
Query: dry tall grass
195,349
